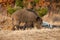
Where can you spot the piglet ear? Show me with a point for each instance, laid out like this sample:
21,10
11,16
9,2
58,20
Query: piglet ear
38,18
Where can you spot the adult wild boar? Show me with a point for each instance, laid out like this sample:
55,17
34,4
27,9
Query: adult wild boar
29,17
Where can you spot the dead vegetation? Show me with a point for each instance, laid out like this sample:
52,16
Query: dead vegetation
53,19
5,22
34,34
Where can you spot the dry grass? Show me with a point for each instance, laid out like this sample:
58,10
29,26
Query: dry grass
50,19
33,34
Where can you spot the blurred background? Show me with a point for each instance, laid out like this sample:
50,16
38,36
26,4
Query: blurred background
48,10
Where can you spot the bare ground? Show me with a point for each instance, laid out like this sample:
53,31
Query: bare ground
33,34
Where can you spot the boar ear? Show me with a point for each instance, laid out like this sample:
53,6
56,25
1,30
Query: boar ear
38,18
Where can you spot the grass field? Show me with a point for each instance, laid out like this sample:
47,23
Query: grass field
33,34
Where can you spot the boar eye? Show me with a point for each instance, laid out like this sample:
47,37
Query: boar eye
38,18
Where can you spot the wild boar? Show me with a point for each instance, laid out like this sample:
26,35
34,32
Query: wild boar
29,17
